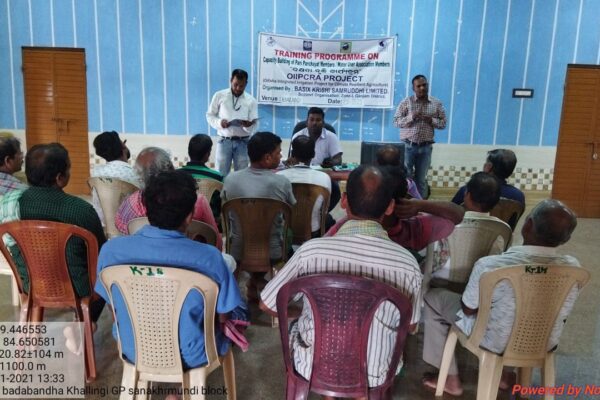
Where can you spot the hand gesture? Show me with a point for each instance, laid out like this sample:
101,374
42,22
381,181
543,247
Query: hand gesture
224,124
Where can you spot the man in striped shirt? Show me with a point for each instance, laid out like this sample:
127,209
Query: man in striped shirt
361,247
417,116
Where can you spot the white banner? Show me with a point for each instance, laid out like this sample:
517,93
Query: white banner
295,71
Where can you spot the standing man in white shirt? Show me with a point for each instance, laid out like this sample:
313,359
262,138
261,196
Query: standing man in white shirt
233,113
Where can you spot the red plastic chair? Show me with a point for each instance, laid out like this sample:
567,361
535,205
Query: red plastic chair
42,244
343,307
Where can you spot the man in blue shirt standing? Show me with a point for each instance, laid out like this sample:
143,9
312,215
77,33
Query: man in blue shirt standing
169,199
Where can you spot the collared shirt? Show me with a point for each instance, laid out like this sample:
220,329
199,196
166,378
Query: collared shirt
52,204
304,174
113,169
9,183
151,245
225,105
326,146
419,131
360,248
132,207
502,314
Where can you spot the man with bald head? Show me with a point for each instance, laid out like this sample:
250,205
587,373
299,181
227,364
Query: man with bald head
360,247
549,225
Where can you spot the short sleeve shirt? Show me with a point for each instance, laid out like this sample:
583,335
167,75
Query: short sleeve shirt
327,145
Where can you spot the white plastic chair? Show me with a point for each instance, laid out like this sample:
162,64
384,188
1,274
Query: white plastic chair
472,239
540,291
111,193
155,321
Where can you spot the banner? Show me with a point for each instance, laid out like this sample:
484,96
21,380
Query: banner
295,71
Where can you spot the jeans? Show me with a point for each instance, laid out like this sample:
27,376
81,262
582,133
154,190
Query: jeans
231,150
417,160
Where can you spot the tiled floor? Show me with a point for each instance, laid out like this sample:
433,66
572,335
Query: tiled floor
260,375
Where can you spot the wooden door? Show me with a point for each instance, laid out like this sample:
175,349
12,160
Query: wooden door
55,89
577,167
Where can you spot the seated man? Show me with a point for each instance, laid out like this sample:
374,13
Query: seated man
390,155
150,162
300,172
199,152
328,150
169,198
363,248
549,225
109,146
482,194
259,180
415,223
11,161
48,171
501,163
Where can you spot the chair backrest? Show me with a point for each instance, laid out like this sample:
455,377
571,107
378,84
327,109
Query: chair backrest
472,239
43,246
155,318
509,211
255,217
111,193
540,292
302,124
208,187
343,307
306,195
197,230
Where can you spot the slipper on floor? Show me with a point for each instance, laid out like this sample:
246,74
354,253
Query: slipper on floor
430,383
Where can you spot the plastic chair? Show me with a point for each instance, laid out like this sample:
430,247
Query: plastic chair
540,291
155,321
111,193
43,245
343,307
197,230
256,217
472,239
306,195
509,211
208,187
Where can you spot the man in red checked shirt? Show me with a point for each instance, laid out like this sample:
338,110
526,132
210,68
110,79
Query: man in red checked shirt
417,116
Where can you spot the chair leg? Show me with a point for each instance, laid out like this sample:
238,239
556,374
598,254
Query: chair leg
548,374
524,376
143,395
25,308
128,382
296,389
198,377
446,360
36,314
490,372
15,291
229,374
88,340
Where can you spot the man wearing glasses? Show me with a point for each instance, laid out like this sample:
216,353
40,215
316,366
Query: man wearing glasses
233,113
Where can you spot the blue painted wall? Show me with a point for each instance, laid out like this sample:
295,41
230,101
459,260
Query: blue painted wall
154,64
